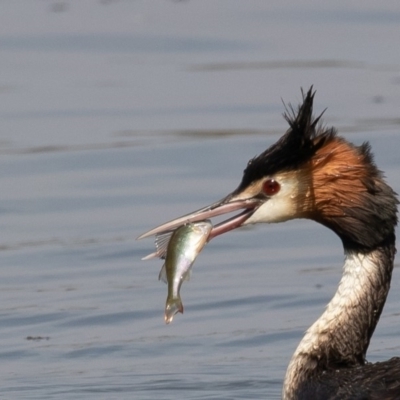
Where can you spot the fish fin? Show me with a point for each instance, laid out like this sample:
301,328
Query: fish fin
161,243
172,307
152,255
162,276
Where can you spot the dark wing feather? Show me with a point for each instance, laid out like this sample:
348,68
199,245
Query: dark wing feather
379,381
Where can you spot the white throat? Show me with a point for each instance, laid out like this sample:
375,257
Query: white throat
344,323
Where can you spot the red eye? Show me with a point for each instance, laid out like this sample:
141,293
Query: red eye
271,187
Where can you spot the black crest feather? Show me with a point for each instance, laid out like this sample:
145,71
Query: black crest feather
294,148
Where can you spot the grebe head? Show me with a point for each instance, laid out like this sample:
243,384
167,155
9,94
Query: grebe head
310,172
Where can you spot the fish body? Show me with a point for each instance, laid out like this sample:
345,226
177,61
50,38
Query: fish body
182,249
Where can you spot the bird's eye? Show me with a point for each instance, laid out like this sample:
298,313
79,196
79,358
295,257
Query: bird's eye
271,187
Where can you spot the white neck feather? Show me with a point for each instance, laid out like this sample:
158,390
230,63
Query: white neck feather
344,323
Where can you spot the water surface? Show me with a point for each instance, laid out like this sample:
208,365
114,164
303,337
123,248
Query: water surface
117,116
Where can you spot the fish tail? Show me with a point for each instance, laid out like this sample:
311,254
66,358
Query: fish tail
173,306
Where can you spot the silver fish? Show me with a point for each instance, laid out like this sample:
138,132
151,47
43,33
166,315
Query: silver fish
180,250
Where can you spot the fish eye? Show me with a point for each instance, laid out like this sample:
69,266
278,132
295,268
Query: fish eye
271,187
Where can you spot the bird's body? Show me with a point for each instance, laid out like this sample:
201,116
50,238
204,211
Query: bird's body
313,173
378,381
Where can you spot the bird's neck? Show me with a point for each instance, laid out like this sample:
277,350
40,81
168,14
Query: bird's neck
340,337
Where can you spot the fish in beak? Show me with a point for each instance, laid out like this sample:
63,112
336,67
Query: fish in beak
228,204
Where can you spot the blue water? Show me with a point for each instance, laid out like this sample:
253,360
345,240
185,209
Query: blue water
117,116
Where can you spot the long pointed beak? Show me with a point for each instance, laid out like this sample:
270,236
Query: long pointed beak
227,205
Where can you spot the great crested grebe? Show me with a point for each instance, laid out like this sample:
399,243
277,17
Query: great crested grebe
313,173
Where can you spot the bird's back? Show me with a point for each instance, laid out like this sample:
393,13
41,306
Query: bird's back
367,382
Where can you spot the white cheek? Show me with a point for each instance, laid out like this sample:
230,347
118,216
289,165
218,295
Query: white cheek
279,207
274,210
